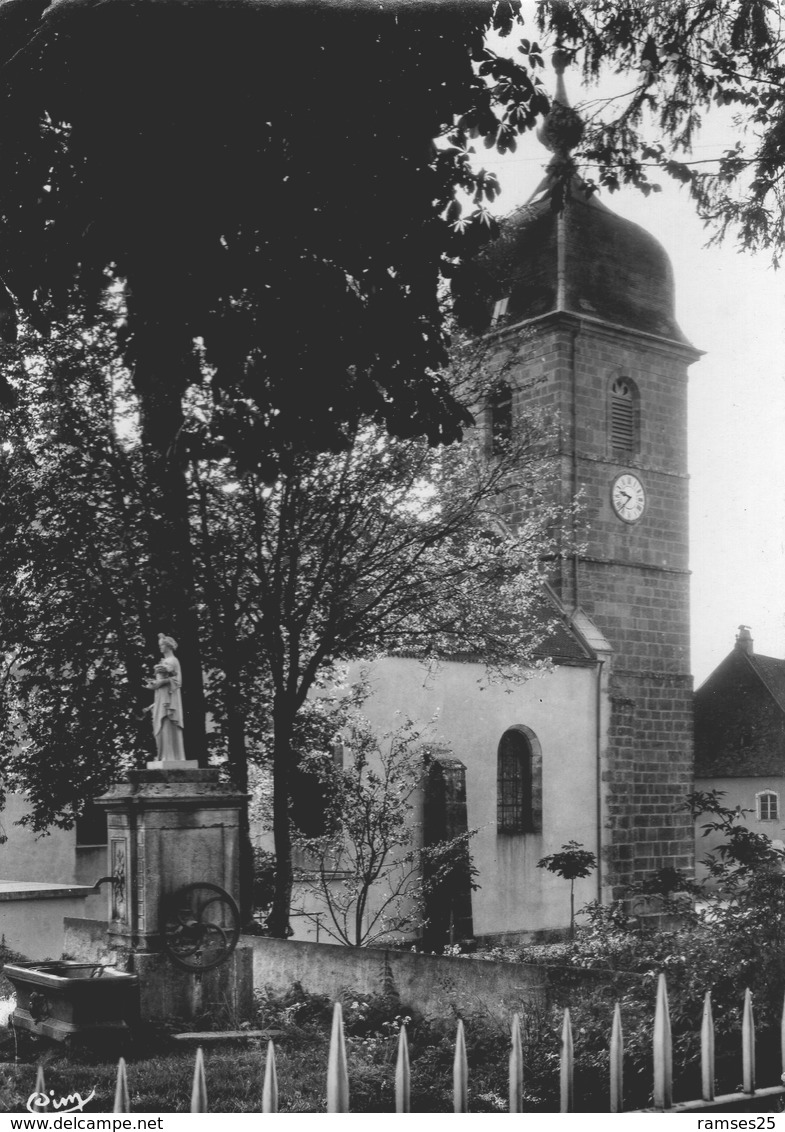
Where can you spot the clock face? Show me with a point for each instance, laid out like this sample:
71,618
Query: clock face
628,497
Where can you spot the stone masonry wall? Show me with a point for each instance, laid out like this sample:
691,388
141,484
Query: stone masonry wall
632,579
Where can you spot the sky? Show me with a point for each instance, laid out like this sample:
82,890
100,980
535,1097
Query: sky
731,304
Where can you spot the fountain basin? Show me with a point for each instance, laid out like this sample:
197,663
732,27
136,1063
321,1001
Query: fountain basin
60,999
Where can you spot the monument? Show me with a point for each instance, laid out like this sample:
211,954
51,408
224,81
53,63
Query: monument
168,704
173,859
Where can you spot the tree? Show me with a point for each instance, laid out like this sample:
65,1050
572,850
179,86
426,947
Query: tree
262,181
389,545
571,863
684,60
74,605
364,883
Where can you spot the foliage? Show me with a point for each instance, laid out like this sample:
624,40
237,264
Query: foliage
264,878
731,939
74,610
571,863
278,240
683,61
742,854
723,953
387,546
363,881
384,546
218,188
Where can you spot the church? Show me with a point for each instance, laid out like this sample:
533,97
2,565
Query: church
580,304
598,749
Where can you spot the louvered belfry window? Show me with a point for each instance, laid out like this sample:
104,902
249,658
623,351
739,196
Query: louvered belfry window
514,797
623,438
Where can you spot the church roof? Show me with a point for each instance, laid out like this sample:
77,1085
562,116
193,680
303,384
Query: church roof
566,638
585,260
740,716
566,251
561,643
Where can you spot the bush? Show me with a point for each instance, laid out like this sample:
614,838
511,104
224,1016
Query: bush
263,879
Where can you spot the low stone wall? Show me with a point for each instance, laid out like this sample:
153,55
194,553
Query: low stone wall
31,915
434,985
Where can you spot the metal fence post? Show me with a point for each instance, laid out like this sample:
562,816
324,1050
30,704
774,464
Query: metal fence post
663,1050
402,1075
707,1050
617,1062
516,1067
460,1073
122,1101
199,1087
337,1074
566,1066
270,1085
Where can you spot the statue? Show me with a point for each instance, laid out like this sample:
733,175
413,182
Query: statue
168,703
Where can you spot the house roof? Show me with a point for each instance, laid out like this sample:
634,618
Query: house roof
740,716
772,673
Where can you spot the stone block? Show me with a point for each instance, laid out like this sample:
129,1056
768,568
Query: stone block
224,992
166,991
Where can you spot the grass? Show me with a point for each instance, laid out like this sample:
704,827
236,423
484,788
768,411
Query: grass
159,1076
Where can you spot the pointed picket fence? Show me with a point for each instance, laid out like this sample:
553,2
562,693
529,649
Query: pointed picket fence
270,1086
122,1100
337,1085
403,1079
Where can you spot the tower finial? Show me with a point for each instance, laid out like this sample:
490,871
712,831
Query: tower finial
559,61
562,127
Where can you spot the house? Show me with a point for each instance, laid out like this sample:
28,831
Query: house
740,738
45,877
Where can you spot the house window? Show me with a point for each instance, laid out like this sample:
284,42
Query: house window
91,826
623,417
500,404
519,782
768,805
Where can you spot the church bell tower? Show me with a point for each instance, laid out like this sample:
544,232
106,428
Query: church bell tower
582,303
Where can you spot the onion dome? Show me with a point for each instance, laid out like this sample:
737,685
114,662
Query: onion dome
566,251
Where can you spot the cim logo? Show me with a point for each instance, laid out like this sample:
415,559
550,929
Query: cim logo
41,1103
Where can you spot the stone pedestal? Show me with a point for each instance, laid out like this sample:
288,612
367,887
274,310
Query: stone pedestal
225,993
170,826
167,827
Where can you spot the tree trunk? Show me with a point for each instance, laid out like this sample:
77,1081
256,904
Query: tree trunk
278,920
238,762
162,373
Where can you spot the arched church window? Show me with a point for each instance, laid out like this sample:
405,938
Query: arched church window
519,782
767,805
310,796
623,416
500,405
